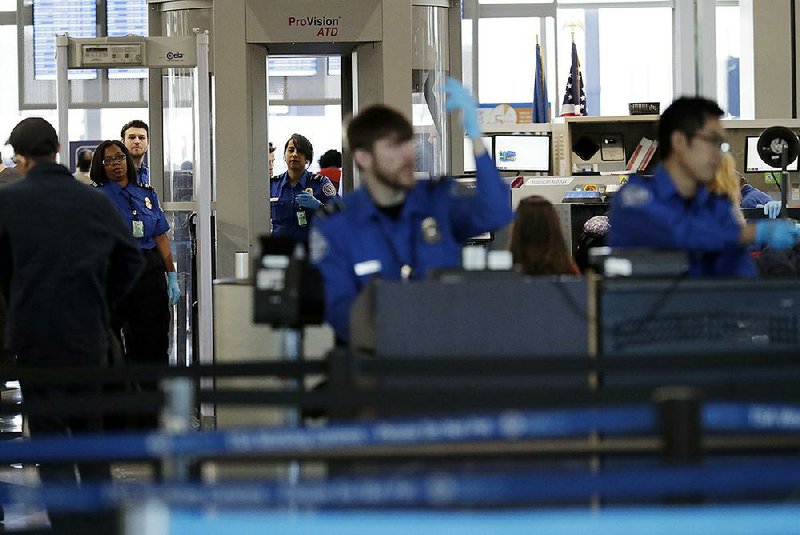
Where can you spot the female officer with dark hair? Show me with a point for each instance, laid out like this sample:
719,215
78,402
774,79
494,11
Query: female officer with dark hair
296,194
143,316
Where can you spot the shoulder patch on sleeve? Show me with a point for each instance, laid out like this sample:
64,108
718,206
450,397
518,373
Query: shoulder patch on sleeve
318,246
633,195
329,190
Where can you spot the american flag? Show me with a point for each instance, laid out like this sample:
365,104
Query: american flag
574,97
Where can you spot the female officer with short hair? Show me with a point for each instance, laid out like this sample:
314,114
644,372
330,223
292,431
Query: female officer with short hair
143,316
296,194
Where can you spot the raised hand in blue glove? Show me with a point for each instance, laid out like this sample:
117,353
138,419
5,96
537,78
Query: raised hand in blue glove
173,290
459,98
776,234
772,209
308,201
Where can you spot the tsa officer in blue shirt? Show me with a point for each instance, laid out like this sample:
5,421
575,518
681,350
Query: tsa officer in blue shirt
673,209
394,227
295,195
136,137
144,313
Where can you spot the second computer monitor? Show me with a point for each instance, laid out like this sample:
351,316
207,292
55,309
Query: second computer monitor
522,153
753,162
469,156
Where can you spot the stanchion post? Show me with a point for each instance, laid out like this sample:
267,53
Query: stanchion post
681,426
176,418
341,382
292,351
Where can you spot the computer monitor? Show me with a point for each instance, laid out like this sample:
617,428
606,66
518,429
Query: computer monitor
753,162
522,153
469,157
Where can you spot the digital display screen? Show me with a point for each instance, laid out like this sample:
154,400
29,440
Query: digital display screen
126,17
522,153
51,17
469,153
753,162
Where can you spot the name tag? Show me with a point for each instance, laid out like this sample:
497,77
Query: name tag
274,199
367,268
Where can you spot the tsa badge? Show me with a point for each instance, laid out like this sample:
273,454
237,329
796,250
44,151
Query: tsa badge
147,203
430,230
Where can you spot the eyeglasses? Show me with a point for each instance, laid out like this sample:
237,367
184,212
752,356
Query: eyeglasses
115,159
715,141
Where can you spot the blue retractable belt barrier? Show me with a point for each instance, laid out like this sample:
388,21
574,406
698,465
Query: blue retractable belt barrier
504,426
744,417
510,425
725,478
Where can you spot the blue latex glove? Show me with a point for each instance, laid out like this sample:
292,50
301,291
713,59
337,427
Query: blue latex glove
173,290
308,201
459,98
776,234
771,209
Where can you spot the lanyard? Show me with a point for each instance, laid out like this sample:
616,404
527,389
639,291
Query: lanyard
128,197
406,269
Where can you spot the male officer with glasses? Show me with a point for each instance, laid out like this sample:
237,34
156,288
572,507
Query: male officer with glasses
673,209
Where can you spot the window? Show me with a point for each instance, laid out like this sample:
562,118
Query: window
126,17
728,32
615,73
51,17
620,71
507,59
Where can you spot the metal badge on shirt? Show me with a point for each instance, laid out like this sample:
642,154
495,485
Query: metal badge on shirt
148,203
430,230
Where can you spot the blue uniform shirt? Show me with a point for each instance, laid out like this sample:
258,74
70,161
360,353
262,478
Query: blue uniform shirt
752,197
361,241
283,207
135,202
143,175
651,213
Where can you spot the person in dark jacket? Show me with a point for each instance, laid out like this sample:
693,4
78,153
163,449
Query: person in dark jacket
65,259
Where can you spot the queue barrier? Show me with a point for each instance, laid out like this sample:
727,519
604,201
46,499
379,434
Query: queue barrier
771,419
716,478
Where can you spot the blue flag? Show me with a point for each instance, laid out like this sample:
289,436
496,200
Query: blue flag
541,107
574,96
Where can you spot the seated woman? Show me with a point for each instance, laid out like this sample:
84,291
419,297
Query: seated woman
729,182
726,183
537,242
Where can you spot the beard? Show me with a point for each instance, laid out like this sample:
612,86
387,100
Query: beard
394,180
